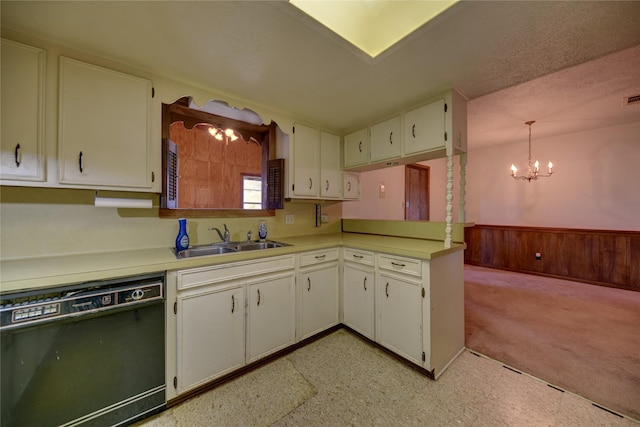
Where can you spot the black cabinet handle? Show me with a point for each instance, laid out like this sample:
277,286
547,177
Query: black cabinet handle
310,183
80,162
386,290
391,138
327,189
360,146
365,283
358,256
258,296
18,155
233,303
309,286
348,185
395,264
413,130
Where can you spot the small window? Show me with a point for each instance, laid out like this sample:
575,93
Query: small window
251,192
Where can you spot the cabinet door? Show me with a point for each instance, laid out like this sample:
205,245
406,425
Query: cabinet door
330,170
210,329
356,148
271,315
306,165
399,316
424,128
358,300
319,299
385,140
104,119
350,185
22,110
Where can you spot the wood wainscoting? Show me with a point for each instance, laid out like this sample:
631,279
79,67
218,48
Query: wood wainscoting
600,257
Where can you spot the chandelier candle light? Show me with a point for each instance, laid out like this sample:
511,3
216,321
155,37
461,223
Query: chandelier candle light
532,168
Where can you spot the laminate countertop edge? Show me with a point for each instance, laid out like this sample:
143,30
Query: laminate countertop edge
43,272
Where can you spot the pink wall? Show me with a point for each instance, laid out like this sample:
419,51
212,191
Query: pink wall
596,184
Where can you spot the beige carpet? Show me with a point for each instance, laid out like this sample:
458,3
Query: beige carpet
582,338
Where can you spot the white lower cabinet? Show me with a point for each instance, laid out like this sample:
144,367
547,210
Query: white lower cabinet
318,291
270,315
399,316
221,317
358,292
210,335
420,308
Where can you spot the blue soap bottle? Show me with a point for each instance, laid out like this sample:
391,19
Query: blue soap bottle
182,239
262,230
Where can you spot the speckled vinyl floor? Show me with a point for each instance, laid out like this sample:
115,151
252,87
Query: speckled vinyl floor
341,380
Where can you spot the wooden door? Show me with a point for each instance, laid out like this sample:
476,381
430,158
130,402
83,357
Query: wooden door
416,193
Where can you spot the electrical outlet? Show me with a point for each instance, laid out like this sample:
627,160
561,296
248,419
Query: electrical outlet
324,218
538,256
288,219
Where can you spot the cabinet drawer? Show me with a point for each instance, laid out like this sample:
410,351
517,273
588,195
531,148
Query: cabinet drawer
358,256
218,273
316,257
401,265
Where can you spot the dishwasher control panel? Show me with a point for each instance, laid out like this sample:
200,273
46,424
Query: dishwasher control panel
26,308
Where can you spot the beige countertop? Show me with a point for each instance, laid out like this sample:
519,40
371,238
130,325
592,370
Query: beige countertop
43,272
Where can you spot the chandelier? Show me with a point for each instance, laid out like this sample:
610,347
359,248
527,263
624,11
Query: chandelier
532,168
226,135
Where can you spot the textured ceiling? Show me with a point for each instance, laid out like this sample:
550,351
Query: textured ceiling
273,54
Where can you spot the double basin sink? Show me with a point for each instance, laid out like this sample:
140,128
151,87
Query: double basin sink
229,247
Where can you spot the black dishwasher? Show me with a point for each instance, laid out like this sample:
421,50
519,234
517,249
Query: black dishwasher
90,354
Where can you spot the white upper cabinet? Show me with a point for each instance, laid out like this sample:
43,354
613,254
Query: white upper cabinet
424,128
437,127
306,175
386,142
431,131
104,127
350,185
356,148
314,168
22,76
330,167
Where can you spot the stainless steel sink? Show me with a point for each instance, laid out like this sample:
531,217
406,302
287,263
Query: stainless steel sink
225,248
204,250
252,246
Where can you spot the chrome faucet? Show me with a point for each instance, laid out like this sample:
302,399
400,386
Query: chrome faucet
227,235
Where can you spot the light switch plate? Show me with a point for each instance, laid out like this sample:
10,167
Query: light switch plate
288,219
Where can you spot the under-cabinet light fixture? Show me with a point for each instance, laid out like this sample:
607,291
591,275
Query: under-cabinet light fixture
226,135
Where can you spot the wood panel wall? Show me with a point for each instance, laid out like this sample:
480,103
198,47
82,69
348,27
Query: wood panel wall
600,257
211,171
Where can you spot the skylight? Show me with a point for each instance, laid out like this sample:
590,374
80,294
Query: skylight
373,26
